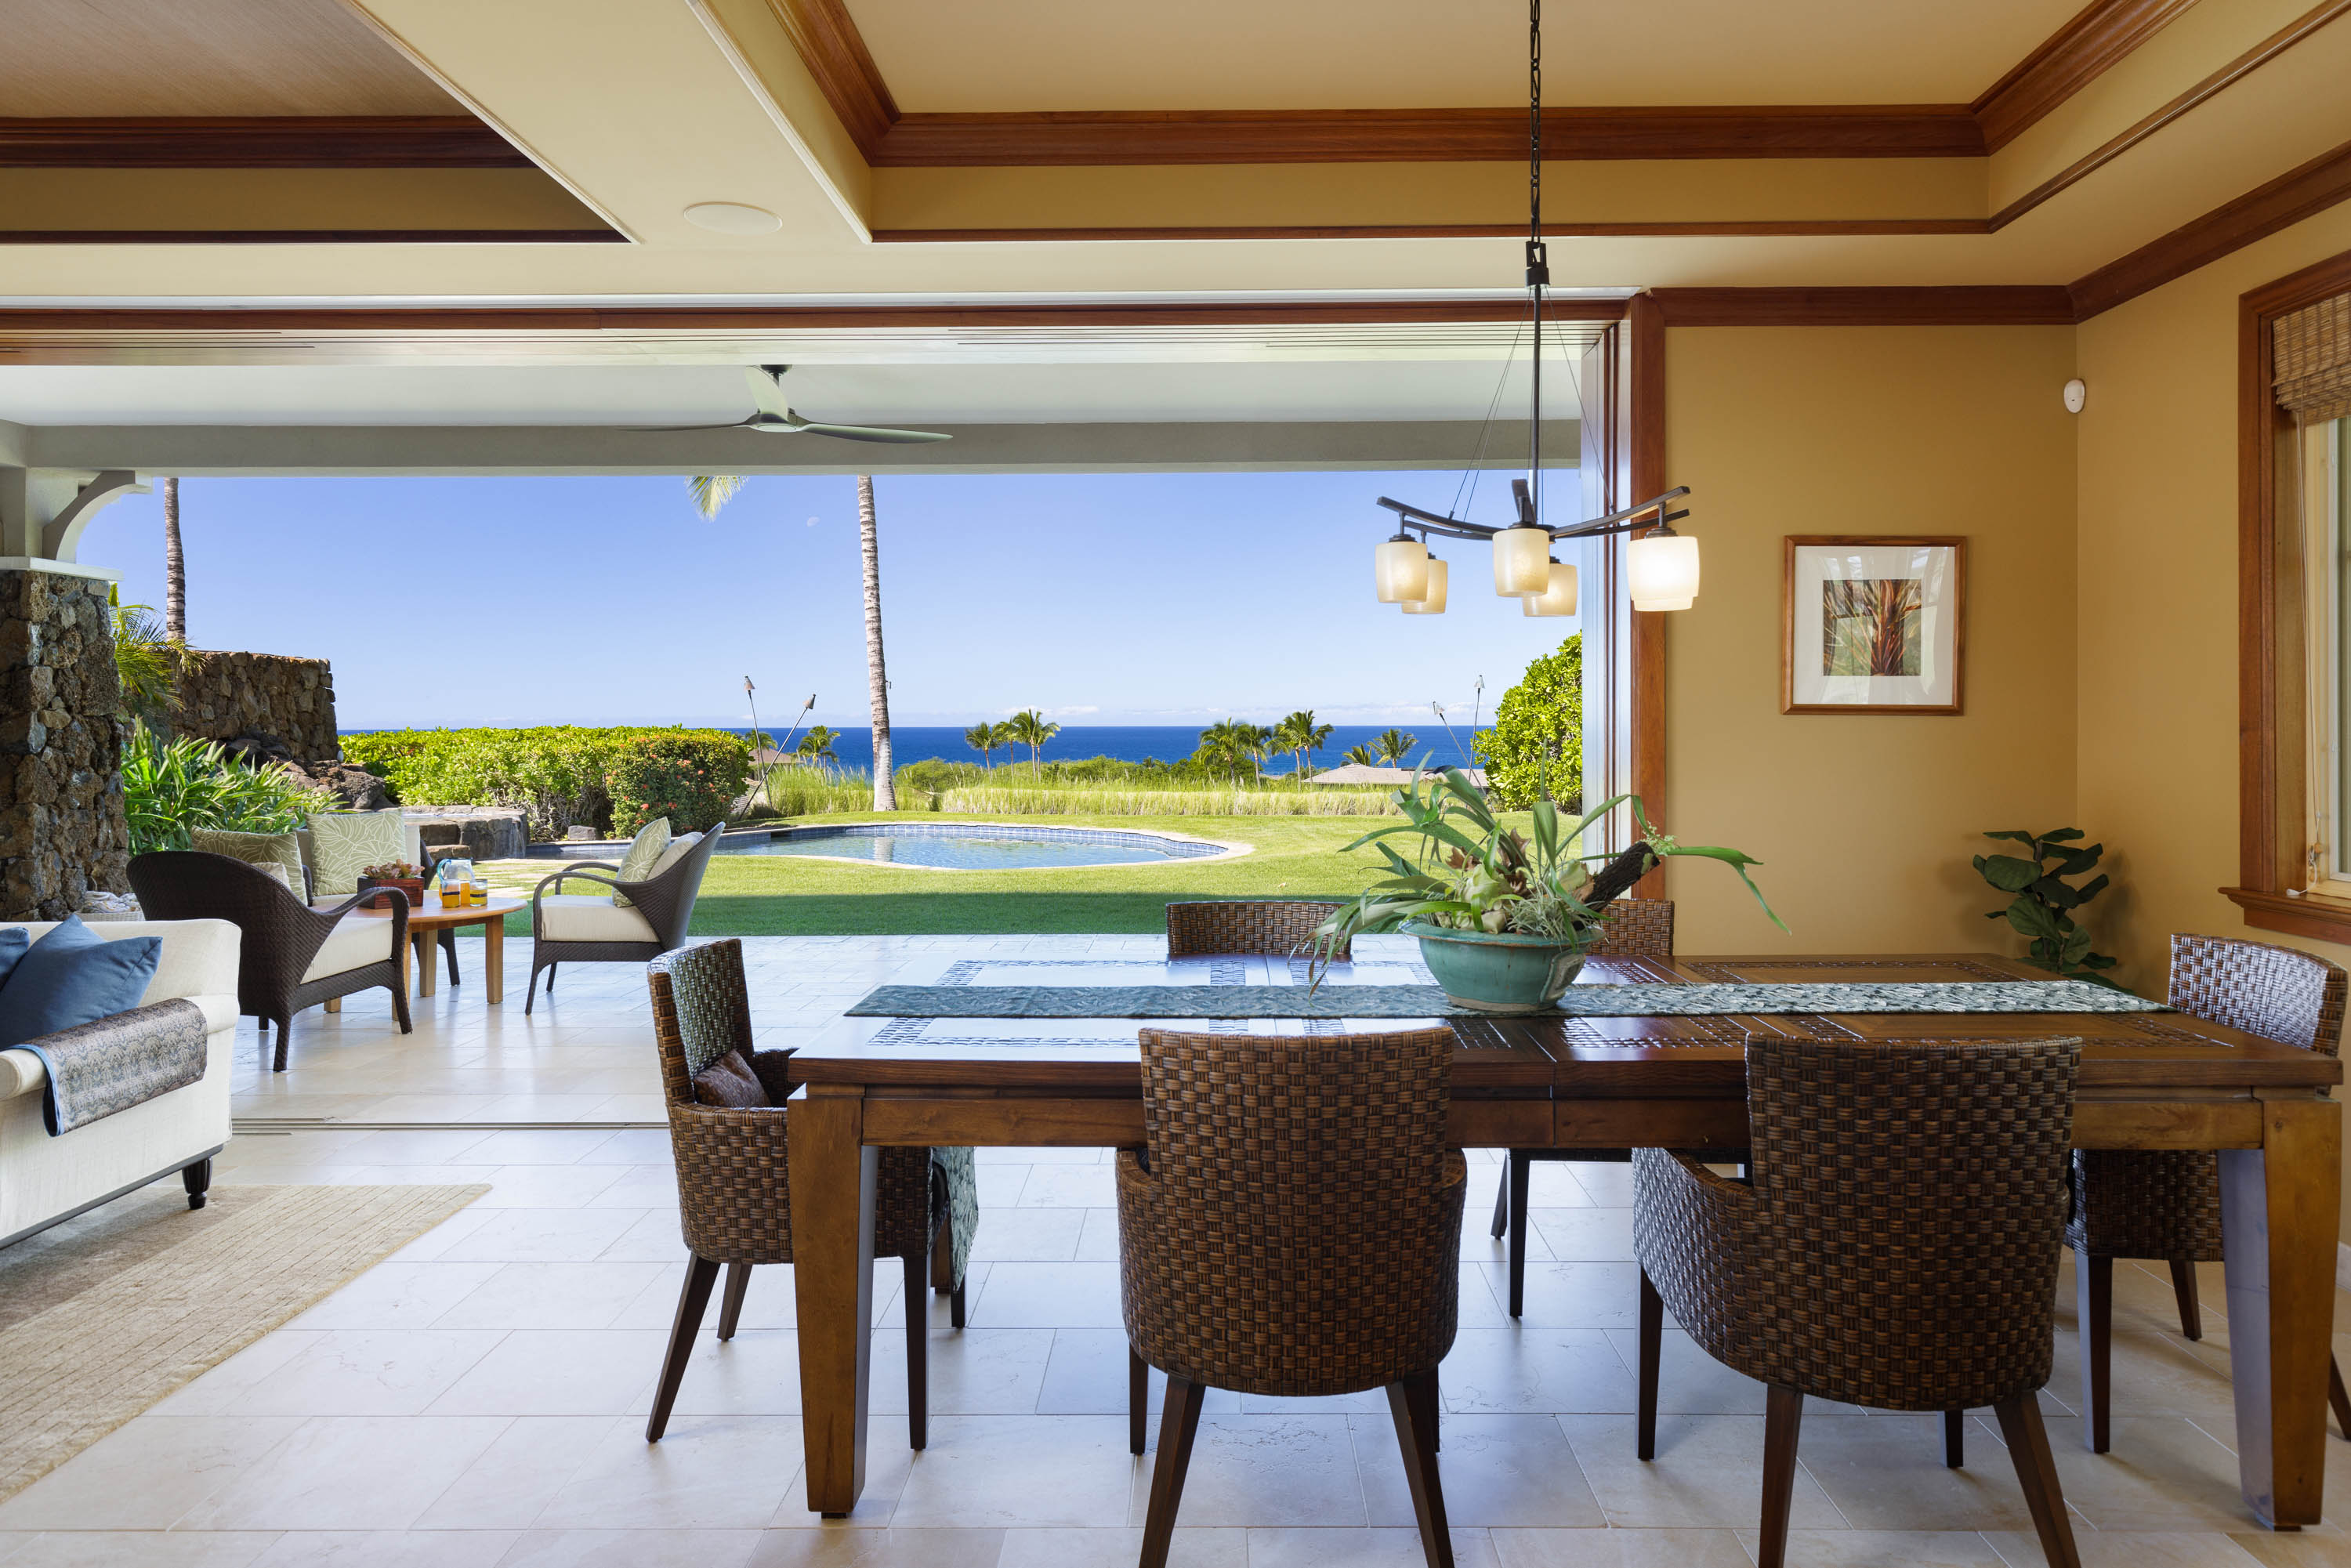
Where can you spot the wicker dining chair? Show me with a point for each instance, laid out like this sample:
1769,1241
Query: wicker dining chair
733,1176
1273,927
1895,1245
571,928
292,956
2167,1204
1636,928
1293,1228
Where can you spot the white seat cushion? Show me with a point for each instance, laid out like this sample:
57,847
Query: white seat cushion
356,940
578,917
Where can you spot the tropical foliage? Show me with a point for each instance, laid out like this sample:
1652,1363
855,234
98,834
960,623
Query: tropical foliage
2044,906
173,786
557,774
1535,749
1472,873
689,777
148,664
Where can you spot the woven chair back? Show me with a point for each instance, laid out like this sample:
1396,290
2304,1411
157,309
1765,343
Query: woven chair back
1273,927
667,901
1303,1229
280,933
2279,993
702,1010
1911,1198
1638,928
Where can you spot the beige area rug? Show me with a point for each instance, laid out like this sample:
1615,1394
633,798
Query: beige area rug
103,1316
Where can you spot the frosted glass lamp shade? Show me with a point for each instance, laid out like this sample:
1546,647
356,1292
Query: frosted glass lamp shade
1662,572
1559,598
1400,570
1433,603
1521,561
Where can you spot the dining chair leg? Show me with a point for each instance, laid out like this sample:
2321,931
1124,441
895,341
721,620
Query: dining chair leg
1411,1404
530,994
2036,1472
2183,1285
918,1345
2336,1397
701,1273
1955,1439
1179,1423
1653,1334
1783,1415
731,1305
941,1245
2094,1308
1502,1200
1522,1168
1138,1400
285,1028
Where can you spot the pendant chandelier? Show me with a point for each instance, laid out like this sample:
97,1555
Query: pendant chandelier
1660,565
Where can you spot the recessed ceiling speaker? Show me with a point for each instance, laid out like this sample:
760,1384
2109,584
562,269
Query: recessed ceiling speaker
732,218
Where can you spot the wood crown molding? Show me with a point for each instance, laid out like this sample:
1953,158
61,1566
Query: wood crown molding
1985,305
311,236
835,53
294,141
2074,56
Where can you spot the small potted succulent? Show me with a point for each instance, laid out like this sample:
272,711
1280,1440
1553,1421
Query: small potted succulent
409,879
1504,918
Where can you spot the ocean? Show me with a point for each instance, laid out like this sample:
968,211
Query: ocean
1128,743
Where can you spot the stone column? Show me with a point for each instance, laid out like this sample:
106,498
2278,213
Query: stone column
61,825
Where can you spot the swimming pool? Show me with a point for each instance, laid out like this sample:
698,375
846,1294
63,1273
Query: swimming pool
973,846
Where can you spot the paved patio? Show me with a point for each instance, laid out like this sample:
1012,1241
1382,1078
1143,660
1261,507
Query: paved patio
480,1397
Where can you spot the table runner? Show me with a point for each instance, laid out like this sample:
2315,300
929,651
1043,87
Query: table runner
1428,1001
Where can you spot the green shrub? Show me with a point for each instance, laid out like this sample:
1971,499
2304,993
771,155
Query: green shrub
1535,749
1024,800
688,776
170,788
558,776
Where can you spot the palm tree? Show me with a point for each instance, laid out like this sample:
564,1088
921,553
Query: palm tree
1361,756
1217,746
1298,735
886,784
175,569
1000,733
981,737
1032,729
817,745
712,491
1394,745
1253,741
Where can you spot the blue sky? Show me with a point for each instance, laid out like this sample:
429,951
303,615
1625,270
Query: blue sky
1100,597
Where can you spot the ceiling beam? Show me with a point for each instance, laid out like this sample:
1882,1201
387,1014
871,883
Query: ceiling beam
306,142
2071,58
1253,445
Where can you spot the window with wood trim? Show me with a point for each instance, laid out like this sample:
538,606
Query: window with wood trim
2294,604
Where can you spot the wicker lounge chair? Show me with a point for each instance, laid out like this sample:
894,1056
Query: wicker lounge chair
731,1165
2146,1203
1273,1166
591,928
1895,1246
1276,927
292,956
1638,928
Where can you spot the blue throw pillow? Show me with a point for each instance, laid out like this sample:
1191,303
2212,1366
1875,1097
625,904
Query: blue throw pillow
13,943
73,975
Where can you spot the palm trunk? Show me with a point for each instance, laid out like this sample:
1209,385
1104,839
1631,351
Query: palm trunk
886,784
175,568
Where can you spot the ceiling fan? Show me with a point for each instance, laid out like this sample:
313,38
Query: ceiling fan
776,417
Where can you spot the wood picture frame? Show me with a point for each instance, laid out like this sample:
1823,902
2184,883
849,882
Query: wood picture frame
1902,647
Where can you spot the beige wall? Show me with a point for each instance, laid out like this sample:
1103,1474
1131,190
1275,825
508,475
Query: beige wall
1867,823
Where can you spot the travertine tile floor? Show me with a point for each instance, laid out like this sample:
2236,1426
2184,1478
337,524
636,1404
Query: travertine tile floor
479,1398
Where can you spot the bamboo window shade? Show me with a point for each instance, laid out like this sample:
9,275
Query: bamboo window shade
2312,368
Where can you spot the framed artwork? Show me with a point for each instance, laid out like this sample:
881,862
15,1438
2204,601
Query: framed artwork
1873,624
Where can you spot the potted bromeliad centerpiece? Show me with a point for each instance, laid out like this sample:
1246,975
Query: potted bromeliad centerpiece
1505,918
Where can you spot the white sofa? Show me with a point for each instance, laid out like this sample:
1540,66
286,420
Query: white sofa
44,1179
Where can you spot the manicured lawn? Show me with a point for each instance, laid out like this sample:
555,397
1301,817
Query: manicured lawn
759,895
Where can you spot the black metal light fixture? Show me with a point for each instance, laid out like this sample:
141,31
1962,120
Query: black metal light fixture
1661,566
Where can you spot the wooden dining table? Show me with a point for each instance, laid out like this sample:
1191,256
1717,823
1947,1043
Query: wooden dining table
2149,1080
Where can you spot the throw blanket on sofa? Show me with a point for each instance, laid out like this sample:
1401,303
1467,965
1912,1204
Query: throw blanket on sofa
97,1069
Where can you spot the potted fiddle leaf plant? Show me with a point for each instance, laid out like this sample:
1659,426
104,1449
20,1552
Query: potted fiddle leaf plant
1504,918
2043,902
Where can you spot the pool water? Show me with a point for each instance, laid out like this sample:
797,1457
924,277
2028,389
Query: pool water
971,846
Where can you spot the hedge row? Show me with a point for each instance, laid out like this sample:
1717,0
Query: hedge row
561,775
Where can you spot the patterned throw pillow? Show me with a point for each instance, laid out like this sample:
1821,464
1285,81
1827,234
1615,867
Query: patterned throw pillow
281,850
645,853
730,1082
343,843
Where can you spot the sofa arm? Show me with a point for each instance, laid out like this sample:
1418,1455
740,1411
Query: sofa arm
21,1072
199,956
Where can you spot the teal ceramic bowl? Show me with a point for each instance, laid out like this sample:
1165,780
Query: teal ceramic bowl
1496,972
